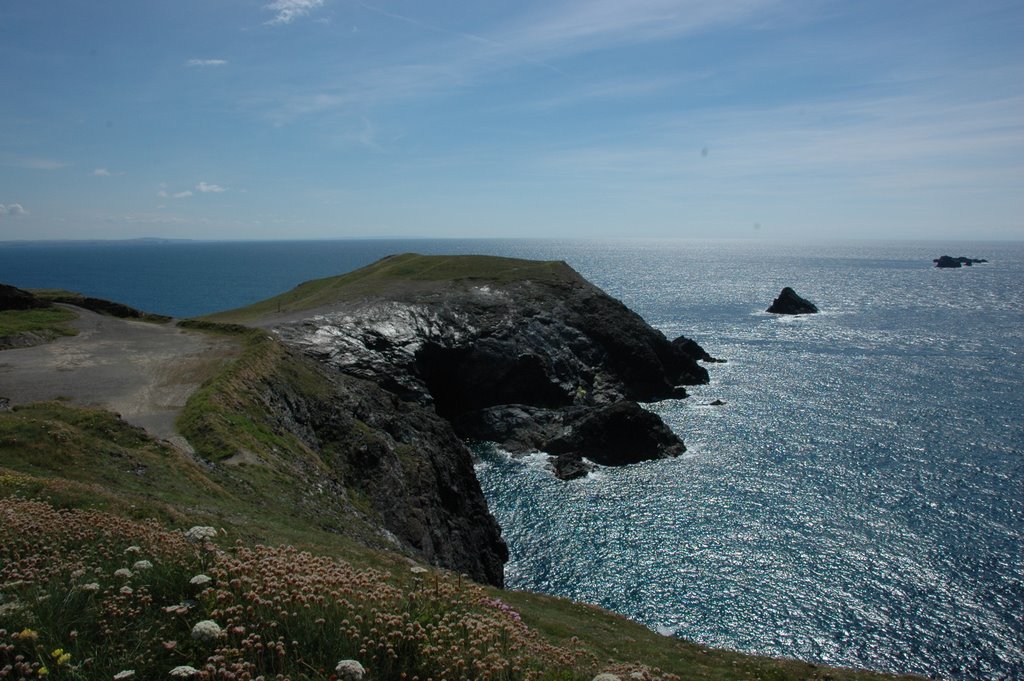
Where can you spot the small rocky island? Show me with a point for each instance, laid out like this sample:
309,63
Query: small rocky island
788,302
947,261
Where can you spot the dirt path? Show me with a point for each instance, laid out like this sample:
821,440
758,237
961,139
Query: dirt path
144,372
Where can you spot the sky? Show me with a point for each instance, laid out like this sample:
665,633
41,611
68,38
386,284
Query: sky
224,119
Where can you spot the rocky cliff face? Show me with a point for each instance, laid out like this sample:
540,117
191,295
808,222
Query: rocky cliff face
355,456
529,363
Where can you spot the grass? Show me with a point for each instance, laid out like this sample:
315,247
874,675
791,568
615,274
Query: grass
397,273
43,323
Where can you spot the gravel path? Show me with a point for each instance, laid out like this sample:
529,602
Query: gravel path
144,372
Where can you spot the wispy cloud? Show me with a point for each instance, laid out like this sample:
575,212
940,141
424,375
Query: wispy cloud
562,30
587,25
206,188
101,172
12,209
206,62
181,195
288,11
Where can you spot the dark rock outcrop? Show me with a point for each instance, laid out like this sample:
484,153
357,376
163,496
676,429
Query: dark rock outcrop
950,261
690,348
788,302
616,435
12,298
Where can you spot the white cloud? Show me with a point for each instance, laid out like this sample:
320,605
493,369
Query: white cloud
206,62
182,195
101,172
290,10
210,188
162,193
14,209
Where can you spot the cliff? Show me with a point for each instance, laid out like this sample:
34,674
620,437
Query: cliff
425,351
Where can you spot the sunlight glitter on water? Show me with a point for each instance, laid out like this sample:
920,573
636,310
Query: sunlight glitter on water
857,501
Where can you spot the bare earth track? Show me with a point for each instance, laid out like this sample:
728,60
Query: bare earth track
145,372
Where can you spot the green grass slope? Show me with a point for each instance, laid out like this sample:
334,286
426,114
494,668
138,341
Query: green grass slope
42,324
398,273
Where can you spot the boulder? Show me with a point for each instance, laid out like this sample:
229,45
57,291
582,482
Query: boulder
788,302
616,435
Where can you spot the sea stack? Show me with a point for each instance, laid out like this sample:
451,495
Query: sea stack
788,302
949,261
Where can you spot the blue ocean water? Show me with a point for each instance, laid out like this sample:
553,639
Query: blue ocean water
858,501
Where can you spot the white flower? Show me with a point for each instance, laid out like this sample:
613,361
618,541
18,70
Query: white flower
417,570
206,630
126,591
184,671
142,565
349,670
200,532
91,586
133,549
123,572
80,572
125,674
606,677
200,580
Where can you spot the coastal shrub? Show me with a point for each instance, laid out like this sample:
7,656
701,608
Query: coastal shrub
89,595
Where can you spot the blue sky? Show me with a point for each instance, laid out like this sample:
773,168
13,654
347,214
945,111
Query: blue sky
659,118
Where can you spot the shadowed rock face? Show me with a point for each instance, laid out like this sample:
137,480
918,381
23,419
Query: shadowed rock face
12,298
788,302
405,461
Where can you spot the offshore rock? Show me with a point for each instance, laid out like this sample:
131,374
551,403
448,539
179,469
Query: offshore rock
788,302
616,435
949,261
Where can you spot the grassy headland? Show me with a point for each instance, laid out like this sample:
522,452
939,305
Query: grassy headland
399,272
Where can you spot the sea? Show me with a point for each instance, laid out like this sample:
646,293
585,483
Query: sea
857,501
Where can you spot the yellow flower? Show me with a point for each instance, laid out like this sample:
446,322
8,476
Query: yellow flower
28,634
43,671
57,653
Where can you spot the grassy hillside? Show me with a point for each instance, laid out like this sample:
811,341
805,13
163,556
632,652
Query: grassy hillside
43,323
396,273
